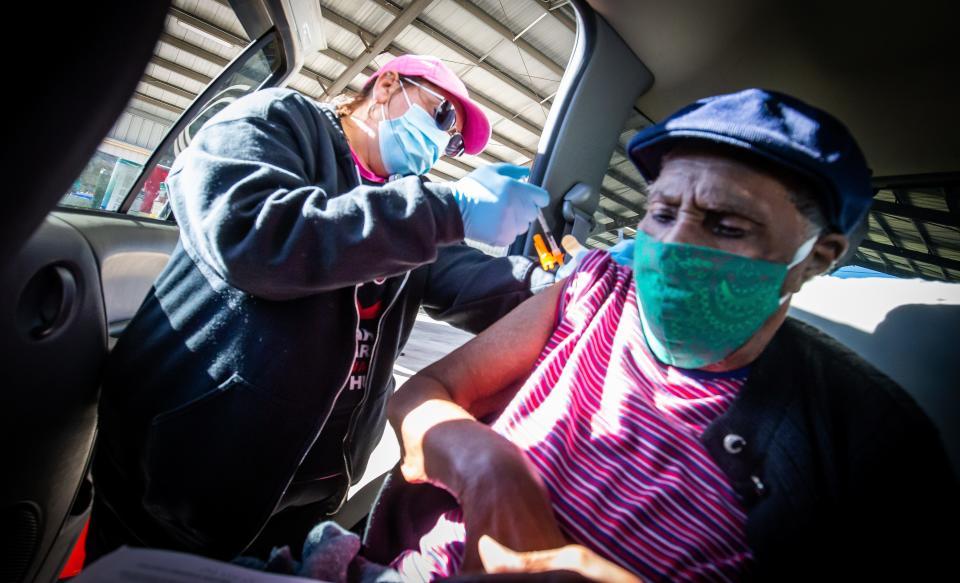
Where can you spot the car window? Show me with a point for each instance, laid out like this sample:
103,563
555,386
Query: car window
914,228
117,165
622,193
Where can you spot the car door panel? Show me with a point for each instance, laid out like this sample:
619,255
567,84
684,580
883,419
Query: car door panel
54,344
130,253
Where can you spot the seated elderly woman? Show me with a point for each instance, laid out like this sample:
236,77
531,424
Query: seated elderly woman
657,416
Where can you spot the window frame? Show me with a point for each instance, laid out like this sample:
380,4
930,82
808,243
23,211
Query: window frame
201,101
276,78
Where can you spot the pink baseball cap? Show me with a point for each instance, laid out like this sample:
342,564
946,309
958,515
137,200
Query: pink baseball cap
476,128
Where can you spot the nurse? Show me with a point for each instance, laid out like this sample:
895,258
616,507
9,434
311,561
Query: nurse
248,392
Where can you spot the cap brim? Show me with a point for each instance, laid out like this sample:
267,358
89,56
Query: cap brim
476,126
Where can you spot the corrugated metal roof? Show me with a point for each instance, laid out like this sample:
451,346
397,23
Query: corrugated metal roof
511,55
914,228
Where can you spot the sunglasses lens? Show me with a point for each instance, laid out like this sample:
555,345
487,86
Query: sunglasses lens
455,145
445,115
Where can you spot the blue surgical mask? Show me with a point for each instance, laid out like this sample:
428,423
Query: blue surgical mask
412,143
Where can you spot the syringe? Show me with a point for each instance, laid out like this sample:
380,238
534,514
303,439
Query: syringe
553,257
554,248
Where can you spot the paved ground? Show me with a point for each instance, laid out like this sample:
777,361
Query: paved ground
429,341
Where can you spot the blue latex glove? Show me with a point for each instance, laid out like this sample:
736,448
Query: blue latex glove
571,264
622,252
495,205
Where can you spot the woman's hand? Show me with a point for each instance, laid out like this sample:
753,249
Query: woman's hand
497,558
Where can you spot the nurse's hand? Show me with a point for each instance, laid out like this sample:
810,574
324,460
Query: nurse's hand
495,205
497,558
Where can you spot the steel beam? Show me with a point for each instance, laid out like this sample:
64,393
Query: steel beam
382,41
157,102
913,212
903,199
471,57
212,30
910,254
511,36
180,69
154,82
193,49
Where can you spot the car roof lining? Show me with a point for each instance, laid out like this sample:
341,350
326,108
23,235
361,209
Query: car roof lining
889,72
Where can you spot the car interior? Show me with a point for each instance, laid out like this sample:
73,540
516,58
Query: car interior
71,278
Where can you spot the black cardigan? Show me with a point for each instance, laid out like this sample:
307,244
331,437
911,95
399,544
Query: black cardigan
841,474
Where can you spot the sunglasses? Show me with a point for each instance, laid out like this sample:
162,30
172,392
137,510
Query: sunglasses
445,115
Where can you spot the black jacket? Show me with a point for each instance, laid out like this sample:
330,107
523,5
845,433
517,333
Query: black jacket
223,380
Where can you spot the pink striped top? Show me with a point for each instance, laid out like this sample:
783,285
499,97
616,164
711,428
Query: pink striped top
615,436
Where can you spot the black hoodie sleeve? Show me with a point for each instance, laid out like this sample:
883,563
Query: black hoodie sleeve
472,290
256,198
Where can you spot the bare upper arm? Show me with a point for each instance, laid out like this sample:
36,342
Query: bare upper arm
500,357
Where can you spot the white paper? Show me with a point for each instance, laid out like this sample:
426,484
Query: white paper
133,565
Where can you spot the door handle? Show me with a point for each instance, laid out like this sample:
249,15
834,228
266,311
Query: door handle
56,303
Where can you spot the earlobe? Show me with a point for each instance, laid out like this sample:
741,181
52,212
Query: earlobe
827,251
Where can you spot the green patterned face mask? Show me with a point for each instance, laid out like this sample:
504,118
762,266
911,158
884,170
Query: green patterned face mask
698,304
